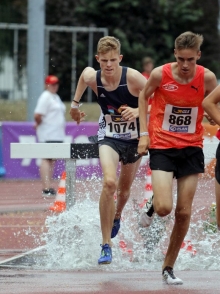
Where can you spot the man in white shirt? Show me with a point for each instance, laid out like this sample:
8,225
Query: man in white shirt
49,116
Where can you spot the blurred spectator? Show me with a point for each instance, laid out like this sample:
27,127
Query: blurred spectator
147,65
49,116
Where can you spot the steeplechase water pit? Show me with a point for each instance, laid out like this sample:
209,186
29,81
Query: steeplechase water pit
72,238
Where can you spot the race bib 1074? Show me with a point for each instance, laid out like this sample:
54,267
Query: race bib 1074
117,127
180,119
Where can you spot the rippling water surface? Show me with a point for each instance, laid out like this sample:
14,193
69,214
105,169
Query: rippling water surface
73,238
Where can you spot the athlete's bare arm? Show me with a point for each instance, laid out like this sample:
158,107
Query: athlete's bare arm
150,87
210,81
210,105
210,84
87,79
135,82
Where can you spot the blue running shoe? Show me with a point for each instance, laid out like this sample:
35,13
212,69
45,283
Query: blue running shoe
115,228
106,255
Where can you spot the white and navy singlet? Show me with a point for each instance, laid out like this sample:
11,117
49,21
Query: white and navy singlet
111,123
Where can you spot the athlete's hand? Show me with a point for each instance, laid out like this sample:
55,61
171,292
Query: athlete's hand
77,115
143,145
82,116
211,121
129,113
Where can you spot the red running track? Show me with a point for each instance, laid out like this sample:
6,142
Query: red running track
140,282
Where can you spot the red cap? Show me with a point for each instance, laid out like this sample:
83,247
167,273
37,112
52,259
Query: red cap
51,80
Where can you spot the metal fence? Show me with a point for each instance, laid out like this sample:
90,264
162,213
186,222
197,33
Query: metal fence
13,82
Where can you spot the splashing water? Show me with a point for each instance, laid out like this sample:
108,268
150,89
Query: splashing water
73,238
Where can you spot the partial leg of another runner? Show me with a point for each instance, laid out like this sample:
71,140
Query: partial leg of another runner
217,186
46,173
126,178
161,203
217,195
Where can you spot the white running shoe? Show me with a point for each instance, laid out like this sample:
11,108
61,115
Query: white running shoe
146,220
169,278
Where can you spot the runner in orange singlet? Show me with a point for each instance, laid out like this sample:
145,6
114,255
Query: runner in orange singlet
176,138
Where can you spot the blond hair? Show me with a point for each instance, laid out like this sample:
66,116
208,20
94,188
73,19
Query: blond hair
107,44
189,40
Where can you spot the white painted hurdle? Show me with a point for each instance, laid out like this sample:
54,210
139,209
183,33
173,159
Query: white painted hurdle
72,152
69,152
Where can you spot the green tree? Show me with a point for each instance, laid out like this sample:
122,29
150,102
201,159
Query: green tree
11,11
148,29
143,27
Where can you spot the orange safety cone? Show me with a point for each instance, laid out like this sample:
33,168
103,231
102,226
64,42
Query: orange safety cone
188,247
125,250
60,200
148,188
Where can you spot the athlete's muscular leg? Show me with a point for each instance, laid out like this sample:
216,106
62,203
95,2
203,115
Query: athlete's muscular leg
125,181
162,183
109,162
186,188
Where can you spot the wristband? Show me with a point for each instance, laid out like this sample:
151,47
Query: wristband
75,106
144,134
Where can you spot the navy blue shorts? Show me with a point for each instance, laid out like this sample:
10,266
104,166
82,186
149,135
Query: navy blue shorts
127,151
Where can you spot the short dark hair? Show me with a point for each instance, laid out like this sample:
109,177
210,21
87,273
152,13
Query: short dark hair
189,40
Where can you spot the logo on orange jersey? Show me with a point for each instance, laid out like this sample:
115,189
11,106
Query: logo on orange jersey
178,129
170,87
195,88
180,110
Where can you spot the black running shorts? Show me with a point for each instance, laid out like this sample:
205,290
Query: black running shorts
127,151
217,166
182,162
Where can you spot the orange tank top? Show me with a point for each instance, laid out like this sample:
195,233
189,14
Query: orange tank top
176,113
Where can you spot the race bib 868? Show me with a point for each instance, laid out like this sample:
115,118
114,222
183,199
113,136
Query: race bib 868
180,119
